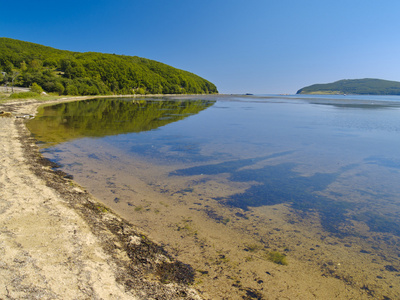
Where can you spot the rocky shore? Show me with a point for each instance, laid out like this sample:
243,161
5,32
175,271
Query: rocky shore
58,242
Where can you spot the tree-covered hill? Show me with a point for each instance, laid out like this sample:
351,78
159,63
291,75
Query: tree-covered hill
74,73
366,86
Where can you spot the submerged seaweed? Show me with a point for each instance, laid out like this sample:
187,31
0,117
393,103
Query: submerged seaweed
280,184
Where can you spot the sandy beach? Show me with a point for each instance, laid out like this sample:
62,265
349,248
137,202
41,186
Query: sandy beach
58,242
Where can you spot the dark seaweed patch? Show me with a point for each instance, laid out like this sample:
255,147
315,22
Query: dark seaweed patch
93,156
218,218
391,268
176,150
280,184
225,167
379,223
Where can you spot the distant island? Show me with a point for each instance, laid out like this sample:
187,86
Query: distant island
62,72
366,86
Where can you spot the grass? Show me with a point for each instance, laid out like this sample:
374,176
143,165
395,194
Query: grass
138,208
277,258
24,95
186,225
6,97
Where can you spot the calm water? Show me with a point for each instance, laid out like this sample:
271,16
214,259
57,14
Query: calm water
314,177
334,155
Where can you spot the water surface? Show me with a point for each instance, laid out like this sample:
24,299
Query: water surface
331,160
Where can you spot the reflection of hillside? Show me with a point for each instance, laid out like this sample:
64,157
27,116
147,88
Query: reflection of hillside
101,117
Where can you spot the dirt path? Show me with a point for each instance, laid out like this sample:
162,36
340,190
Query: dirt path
58,242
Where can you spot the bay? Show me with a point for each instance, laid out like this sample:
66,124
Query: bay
240,177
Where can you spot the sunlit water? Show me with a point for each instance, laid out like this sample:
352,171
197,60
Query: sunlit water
336,157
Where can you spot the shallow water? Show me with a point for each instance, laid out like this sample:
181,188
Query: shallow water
332,161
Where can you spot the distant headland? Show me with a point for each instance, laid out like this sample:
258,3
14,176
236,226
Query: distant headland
366,86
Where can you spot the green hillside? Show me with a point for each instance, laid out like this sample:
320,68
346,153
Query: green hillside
365,86
74,73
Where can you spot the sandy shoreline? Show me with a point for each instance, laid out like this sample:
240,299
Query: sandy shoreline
58,242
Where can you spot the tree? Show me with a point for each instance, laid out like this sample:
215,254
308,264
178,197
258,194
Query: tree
59,88
13,76
50,62
141,91
72,90
36,88
8,68
75,71
35,64
101,73
23,66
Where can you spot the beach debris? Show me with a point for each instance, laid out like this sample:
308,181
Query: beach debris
25,116
5,114
134,240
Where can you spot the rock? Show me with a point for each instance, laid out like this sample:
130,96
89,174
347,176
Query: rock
134,240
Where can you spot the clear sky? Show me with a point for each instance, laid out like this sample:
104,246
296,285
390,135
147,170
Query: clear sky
242,46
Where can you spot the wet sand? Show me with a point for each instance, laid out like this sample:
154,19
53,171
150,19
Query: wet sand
227,248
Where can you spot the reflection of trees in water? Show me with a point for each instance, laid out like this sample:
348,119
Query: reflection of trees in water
103,117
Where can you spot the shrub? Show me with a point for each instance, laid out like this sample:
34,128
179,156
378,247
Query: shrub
277,258
35,88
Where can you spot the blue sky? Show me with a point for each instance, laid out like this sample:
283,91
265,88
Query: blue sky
252,46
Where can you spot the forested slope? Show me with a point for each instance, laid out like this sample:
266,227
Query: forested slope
74,73
366,86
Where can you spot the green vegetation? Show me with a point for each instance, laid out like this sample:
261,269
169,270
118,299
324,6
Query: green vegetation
365,86
35,88
277,258
64,72
102,117
138,208
102,208
24,95
225,221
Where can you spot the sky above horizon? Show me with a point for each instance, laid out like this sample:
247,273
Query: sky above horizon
252,46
